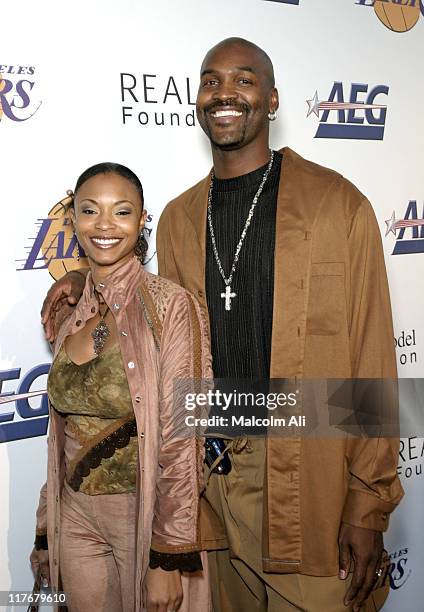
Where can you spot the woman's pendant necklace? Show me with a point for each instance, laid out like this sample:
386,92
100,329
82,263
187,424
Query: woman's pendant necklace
100,333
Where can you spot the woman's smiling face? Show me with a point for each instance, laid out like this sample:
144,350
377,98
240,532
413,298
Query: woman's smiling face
108,217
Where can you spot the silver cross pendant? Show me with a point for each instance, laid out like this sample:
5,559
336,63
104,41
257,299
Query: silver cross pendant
228,296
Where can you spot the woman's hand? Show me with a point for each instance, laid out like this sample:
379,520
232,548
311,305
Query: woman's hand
40,563
163,590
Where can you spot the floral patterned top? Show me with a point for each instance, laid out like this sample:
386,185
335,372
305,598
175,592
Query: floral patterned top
100,432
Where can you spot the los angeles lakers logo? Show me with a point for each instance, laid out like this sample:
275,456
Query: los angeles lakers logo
18,93
398,15
60,247
2,85
55,246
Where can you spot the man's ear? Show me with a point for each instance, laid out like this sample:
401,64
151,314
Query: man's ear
274,100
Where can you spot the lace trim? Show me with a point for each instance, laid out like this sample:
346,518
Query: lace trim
185,562
102,450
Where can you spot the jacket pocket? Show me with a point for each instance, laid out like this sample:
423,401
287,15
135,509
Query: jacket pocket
326,299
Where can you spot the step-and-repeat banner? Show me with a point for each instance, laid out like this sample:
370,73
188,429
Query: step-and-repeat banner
83,82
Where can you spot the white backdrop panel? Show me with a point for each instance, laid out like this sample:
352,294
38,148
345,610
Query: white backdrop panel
78,51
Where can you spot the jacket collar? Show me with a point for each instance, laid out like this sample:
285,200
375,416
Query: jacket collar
197,206
117,289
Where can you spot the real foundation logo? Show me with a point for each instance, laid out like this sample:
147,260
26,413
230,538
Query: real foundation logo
154,100
411,457
18,93
396,15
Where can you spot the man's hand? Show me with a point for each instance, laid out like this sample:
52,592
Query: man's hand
39,560
61,297
363,548
163,590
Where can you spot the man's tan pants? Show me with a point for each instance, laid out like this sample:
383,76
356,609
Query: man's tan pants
238,582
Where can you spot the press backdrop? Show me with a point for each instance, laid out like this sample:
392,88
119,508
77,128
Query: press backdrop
92,81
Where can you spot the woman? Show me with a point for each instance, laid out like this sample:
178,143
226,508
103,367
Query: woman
120,506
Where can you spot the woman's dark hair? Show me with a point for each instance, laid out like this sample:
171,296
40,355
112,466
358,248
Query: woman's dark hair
112,168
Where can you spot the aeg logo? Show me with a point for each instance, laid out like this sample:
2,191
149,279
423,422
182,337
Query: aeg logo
409,230
285,1
33,421
356,118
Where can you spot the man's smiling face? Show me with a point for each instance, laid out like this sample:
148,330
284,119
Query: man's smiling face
235,95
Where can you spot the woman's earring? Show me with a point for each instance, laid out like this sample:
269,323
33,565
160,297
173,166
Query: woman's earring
78,248
141,246
272,115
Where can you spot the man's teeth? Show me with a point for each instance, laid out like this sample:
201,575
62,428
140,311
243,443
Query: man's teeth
105,241
227,113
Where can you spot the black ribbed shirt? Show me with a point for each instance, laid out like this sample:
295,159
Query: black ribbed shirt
241,337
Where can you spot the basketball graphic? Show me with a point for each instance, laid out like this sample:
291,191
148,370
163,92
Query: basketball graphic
60,247
397,17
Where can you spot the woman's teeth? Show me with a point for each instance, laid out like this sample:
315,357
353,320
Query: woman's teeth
105,242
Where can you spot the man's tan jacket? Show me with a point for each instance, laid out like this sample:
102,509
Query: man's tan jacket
331,319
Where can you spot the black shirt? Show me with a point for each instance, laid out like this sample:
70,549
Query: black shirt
241,337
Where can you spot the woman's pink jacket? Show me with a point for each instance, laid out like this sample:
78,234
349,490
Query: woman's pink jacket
163,340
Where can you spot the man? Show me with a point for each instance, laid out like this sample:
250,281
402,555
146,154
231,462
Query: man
286,259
